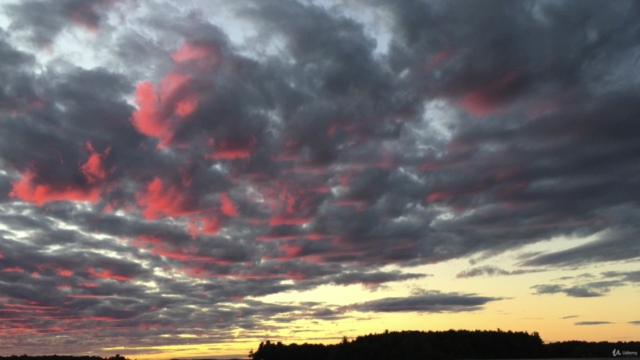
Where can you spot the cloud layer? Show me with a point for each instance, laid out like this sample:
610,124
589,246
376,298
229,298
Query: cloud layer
166,188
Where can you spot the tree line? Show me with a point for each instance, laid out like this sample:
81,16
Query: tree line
441,345
62,357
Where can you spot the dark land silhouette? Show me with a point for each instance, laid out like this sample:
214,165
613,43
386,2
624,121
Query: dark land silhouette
452,344
414,345
63,357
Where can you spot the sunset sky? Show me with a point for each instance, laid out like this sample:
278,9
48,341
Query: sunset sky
187,178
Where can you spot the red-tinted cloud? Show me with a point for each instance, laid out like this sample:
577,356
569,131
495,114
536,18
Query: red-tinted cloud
65,273
345,178
292,252
286,220
438,58
160,109
108,274
174,91
160,201
85,19
292,204
211,225
318,236
159,248
441,195
228,150
89,285
146,119
32,306
208,224
29,190
204,57
227,206
486,101
94,169
21,106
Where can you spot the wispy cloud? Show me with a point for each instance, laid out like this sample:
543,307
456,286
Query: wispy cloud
491,270
434,302
569,317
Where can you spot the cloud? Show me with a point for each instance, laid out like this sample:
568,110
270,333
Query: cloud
612,246
43,20
181,174
433,302
573,291
372,280
628,276
490,270
569,317
576,278
590,289
634,322
593,323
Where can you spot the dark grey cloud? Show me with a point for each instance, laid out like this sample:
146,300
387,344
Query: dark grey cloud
628,276
476,59
576,278
573,291
634,322
590,289
613,246
593,323
373,280
490,270
433,302
569,317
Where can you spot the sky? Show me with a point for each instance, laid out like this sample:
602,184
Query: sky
189,178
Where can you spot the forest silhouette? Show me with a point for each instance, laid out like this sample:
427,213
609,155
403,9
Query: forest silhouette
436,345
413,345
62,357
